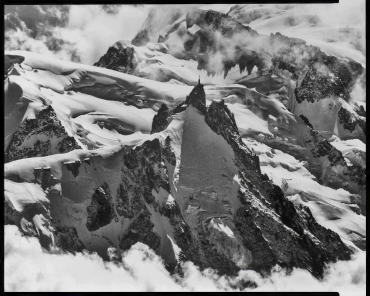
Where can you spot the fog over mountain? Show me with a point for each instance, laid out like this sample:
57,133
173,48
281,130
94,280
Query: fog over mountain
185,147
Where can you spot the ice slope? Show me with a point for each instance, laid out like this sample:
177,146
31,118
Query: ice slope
101,107
89,101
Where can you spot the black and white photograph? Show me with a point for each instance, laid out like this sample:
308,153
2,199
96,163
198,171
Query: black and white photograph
185,147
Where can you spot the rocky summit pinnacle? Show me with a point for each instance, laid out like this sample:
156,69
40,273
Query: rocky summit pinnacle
197,98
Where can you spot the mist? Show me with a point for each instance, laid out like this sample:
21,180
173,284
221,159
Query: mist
79,33
30,268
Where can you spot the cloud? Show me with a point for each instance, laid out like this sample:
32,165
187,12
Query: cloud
88,30
81,33
29,268
52,46
346,13
358,91
93,30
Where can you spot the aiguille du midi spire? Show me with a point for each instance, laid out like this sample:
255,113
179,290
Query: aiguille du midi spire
197,98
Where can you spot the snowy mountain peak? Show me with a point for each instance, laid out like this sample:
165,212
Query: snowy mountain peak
203,141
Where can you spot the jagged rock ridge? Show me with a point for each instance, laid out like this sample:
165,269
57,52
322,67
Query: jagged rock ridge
263,202
255,227
119,57
41,136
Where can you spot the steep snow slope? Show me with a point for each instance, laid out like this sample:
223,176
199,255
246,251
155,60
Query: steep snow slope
246,170
101,107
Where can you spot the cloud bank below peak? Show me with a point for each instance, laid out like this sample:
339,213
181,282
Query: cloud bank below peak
30,268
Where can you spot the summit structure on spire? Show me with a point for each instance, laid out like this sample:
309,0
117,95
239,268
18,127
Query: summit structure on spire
197,98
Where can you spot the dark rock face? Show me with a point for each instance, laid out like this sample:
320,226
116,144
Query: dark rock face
328,164
190,249
361,111
100,211
197,98
272,228
349,121
10,60
163,118
123,205
315,86
160,119
318,84
306,121
141,230
145,164
143,173
215,259
67,239
44,177
119,57
196,247
34,137
213,25
73,167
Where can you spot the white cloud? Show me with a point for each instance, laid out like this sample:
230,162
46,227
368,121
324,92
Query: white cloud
346,13
20,40
29,268
92,30
358,91
89,32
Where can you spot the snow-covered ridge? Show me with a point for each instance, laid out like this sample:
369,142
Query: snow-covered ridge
233,171
102,107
